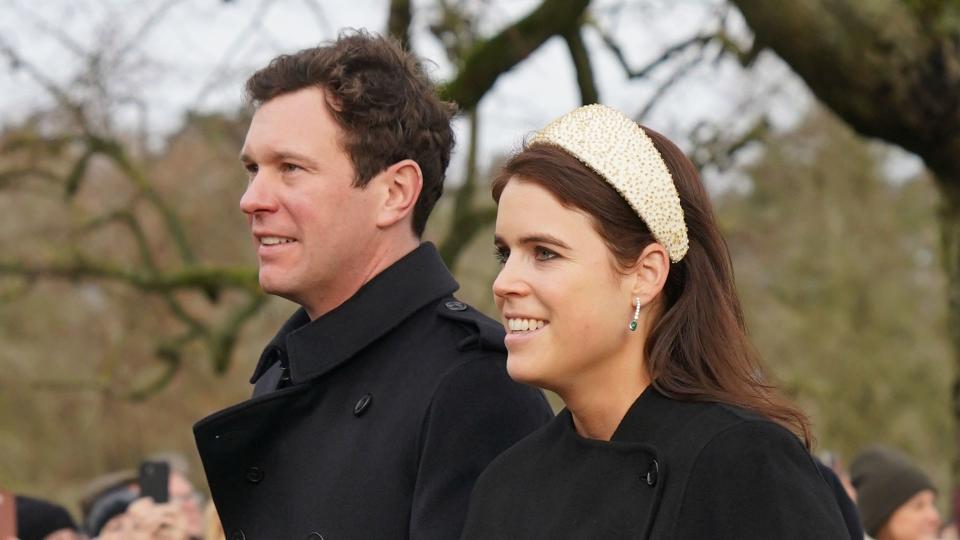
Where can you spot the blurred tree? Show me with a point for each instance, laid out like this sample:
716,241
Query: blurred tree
891,69
836,265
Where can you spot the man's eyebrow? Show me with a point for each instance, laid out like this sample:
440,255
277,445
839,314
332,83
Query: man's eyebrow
282,155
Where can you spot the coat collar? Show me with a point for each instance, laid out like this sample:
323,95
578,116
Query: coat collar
313,348
654,417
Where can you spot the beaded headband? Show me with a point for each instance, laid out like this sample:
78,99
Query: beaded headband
618,149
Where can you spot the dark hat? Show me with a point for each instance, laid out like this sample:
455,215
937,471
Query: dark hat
37,518
884,479
108,506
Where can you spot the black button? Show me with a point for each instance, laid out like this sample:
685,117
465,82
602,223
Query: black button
254,475
651,476
238,535
314,536
362,405
456,306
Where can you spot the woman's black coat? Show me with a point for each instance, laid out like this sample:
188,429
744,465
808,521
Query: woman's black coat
673,470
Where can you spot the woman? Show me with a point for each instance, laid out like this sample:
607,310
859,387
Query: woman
897,500
618,294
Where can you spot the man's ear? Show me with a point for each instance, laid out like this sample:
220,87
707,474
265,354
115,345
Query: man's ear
650,272
401,184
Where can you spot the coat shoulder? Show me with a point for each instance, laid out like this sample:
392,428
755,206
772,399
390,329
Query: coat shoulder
478,332
756,463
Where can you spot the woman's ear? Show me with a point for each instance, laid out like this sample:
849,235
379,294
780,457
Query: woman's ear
650,272
402,183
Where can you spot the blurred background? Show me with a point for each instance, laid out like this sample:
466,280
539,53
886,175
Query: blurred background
828,133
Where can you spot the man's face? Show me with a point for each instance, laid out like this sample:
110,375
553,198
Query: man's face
313,230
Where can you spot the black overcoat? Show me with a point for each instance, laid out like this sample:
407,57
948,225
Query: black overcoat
372,421
672,471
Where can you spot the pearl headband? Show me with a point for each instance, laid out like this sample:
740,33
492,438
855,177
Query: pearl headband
618,149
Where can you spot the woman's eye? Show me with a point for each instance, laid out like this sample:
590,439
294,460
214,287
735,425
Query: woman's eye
543,254
501,254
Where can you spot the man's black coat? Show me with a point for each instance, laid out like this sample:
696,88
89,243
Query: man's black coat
673,470
372,421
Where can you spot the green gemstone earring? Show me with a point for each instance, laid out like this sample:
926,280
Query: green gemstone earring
636,317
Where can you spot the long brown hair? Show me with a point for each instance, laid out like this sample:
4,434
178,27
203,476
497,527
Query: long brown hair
697,348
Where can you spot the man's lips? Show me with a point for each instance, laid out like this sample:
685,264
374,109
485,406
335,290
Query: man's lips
272,240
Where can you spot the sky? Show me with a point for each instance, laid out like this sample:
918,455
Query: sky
195,54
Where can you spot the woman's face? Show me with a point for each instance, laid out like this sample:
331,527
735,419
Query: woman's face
916,519
565,306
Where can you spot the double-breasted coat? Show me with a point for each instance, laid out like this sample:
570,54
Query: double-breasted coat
673,470
372,421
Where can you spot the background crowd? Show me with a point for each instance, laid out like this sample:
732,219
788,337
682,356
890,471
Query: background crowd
896,500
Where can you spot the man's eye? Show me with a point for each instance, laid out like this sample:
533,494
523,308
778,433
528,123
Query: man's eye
543,254
501,254
289,167
251,168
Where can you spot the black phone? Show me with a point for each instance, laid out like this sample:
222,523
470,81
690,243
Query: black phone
154,480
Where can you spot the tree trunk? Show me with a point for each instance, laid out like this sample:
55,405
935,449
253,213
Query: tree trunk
950,248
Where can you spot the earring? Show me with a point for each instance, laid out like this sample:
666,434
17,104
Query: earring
636,316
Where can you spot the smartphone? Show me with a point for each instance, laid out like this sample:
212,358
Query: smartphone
154,480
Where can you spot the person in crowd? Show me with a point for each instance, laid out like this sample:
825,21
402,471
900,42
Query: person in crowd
107,513
37,519
380,401
144,519
617,291
897,500
115,507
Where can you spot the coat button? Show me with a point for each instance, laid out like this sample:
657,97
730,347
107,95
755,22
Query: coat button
314,536
238,535
456,306
362,405
254,475
651,475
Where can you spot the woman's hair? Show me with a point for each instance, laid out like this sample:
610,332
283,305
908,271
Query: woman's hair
697,348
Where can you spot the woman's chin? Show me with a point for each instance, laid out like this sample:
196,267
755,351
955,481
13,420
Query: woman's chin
524,370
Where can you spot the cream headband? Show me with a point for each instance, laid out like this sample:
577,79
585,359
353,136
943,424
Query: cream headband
617,149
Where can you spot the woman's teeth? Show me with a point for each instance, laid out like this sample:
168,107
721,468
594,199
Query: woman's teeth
524,325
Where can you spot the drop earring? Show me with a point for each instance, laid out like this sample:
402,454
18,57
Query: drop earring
636,316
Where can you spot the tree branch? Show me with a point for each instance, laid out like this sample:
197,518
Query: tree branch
398,24
581,62
497,55
191,278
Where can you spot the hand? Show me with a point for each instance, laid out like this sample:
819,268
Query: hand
146,520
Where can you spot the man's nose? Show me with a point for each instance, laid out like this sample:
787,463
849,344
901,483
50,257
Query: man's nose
258,197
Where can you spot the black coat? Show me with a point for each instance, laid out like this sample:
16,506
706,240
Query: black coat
672,471
371,422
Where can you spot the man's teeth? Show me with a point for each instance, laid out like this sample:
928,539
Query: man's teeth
523,325
274,240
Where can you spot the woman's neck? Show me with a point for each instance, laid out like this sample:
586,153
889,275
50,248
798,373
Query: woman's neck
598,404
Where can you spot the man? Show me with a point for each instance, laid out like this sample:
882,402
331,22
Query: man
382,399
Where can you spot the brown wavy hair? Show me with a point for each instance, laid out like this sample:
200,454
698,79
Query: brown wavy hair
697,348
383,102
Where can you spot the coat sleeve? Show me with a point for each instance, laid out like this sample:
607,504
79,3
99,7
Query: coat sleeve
476,413
756,480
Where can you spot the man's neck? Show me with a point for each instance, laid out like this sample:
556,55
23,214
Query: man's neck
355,278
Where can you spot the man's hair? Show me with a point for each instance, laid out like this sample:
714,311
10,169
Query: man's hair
384,103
